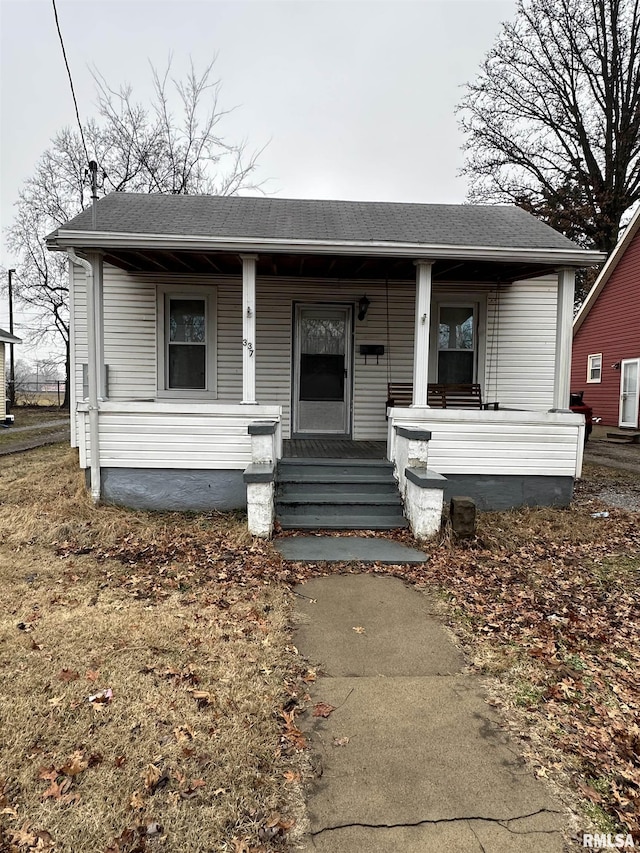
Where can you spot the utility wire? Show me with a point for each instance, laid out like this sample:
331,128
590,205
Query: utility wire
75,102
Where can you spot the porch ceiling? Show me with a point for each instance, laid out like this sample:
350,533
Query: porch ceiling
321,266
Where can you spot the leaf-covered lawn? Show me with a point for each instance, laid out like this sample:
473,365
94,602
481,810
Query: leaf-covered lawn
147,688
150,687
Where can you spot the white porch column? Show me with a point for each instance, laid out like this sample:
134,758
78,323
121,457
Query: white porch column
564,322
96,260
94,370
249,329
421,337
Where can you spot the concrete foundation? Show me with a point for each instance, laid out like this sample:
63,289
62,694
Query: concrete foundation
498,492
174,489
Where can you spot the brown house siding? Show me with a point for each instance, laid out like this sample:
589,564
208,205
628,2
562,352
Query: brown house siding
612,327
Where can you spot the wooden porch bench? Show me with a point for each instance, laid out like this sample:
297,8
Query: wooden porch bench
440,396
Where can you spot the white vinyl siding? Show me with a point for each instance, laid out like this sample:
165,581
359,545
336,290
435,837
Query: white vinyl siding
152,435
516,338
488,442
129,333
520,344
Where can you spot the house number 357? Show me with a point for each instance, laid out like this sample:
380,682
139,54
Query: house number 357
248,345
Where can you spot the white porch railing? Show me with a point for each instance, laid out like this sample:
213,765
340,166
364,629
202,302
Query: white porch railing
152,434
487,442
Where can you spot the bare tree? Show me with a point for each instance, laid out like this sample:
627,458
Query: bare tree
553,118
171,144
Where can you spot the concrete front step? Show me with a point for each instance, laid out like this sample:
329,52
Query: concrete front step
333,470
304,490
337,494
623,438
341,522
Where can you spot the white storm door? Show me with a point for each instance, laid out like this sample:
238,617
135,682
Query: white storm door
629,388
322,369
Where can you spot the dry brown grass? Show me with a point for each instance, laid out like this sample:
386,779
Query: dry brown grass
199,668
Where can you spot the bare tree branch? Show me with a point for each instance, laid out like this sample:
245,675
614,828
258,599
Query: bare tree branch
170,144
553,118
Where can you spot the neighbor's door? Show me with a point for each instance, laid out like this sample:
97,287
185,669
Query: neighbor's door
629,388
322,370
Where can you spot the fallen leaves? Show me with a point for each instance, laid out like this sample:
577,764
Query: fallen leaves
572,608
75,764
68,675
291,734
323,709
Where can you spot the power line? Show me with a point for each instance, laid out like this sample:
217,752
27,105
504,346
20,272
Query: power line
75,102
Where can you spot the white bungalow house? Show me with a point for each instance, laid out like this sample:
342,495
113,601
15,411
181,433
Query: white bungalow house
5,338
211,335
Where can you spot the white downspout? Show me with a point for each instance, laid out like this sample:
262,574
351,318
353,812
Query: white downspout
92,371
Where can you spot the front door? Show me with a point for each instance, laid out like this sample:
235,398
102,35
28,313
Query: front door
322,370
629,387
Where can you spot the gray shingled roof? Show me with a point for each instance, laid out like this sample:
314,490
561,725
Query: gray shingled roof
302,219
8,338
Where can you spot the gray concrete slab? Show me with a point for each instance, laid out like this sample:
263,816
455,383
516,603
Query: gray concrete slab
423,749
451,837
409,760
399,637
342,549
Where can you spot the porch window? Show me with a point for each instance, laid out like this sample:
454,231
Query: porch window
186,342
594,368
456,344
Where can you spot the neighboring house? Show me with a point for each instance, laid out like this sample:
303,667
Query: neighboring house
606,336
196,319
5,338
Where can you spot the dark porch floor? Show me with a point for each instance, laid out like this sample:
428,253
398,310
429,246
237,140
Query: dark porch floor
333,448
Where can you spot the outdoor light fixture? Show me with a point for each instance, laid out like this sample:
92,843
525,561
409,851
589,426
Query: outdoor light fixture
363,307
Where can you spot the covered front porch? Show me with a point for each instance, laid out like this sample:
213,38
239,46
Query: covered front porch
198,355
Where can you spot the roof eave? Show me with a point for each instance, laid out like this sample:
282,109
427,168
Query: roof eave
63,239
607,270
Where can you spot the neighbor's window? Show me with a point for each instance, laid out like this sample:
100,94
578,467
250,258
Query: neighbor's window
187,348
594,368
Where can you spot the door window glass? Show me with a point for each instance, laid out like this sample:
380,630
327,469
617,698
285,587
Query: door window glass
322,358
187,344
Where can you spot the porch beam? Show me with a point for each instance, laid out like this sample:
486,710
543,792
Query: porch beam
249,329
421,335
151,260
172,256
564,321
204,257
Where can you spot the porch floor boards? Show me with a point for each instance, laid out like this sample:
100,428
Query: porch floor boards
333,448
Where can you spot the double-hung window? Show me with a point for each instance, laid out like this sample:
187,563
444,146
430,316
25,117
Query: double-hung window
457,344
186,342
594,368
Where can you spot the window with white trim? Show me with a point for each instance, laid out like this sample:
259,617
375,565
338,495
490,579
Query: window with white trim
594,368
457,343
187,342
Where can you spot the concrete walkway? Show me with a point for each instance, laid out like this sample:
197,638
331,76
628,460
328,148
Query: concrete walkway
37,441
412,758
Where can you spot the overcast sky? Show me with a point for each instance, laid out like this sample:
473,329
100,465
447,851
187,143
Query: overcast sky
356,99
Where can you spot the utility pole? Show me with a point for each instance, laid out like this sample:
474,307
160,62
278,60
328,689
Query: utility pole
93,181
12,381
